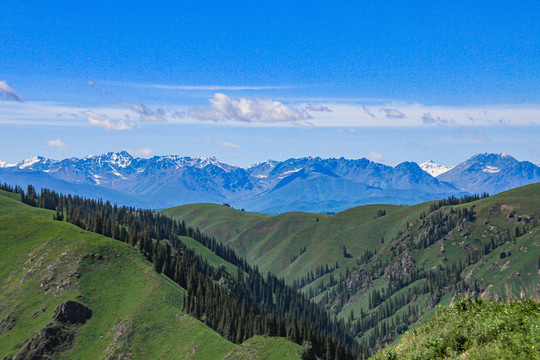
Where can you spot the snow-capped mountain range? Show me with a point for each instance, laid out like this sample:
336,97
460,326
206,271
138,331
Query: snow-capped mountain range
306,184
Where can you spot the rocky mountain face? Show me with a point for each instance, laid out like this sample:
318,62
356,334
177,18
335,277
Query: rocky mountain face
308,184
492,173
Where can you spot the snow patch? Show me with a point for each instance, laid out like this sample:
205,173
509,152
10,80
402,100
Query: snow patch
4,164
97,179
268,162
117,173
491,169
29,162
286,173
120,160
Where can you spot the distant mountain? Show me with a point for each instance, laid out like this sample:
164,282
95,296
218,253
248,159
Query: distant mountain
492,173
307,184
322,185
434,169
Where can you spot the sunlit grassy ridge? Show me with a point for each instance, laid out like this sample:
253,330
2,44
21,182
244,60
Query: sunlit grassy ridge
135,311
473,329
274,242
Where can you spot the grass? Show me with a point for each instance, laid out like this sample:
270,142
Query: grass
135,311
473,329
274,243
219,221
208,255
265,348
138,311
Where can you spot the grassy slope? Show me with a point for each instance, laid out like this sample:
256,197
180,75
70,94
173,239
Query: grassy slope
135,310
219,221
505,278
473,329
273,242
264,348
208,255
493,218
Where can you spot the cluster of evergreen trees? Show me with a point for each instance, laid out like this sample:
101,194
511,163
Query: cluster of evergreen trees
391,310
438,224
452,200
238,306
321,270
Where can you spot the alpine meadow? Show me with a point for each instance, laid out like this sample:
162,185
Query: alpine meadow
269,180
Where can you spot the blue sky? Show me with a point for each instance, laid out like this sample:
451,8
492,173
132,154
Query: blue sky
248,81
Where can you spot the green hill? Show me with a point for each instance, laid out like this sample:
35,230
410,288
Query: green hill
381,269
276,243
220,221
473,329
384,268
135,312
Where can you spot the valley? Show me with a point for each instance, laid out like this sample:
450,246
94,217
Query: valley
378,270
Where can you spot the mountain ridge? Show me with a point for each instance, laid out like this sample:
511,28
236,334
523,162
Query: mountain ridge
306,184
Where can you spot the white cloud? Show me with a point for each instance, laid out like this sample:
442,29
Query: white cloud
178,115
227,145
429,119
318,107
145,113
249,111
231,145
393,113
57,143
105,122
375,157
353,115
8,93
343,115
144,152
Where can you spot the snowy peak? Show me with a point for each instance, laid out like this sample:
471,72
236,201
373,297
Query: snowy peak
36,162
492,173
309,184
122,159
202,162
434,169
261,170
29,162
498,160
4,164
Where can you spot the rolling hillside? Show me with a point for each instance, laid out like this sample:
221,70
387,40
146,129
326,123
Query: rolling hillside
135,312
381,269
385,268
276,243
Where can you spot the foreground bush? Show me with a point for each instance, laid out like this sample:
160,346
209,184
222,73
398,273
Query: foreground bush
474,329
